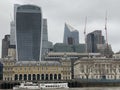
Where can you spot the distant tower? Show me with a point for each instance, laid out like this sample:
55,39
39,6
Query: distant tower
85,35
12,33
5,45
45,38
28,33
106,29
71,35
93,39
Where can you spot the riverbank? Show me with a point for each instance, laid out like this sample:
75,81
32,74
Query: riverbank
71,83
94,83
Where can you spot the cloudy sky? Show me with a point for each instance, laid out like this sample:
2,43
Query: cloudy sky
73,12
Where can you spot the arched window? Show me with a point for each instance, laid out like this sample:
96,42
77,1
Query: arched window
16,77
46,78
25,76
20,77
42,77
55,76
59,76
34,77
29,76
38,76
51,77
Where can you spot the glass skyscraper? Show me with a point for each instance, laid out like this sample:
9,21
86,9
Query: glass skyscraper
71,35
28,33
93,39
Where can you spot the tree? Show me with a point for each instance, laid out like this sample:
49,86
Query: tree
88,68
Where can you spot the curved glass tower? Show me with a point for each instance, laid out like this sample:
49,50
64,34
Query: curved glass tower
28,33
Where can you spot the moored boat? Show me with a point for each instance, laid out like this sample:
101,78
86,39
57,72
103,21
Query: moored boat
27,86
53,85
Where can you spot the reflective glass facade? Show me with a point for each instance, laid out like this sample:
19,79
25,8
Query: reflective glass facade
93,39
28,33
71,35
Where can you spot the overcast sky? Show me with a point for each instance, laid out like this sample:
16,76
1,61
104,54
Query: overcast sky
73,12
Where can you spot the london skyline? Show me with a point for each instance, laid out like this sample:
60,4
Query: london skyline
58,12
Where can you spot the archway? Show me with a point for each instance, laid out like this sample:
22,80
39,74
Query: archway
20,77
59,76
55,76
34,77
29,76
46,78
16,77
38,76
51,77
42,77
25,76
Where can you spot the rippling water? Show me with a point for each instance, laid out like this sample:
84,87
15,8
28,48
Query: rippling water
88,88
92,88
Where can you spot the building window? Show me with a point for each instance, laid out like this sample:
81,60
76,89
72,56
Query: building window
16,77
55,76
29,76
38,76
20,77
34,77
51,77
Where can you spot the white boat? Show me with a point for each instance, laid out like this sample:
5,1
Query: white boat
53,85
27,86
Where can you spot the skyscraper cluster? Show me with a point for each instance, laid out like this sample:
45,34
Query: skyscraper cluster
29,35
28,39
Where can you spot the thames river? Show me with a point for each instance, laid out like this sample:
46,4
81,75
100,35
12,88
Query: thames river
88,88
91,88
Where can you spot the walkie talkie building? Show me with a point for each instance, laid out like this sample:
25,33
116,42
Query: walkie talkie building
28,33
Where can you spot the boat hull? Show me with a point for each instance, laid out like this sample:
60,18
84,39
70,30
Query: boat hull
26,88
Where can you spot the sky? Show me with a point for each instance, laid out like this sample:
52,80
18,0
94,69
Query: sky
72,12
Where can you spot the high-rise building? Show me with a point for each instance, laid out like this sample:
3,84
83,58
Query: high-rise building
45,38
12,33
5,45
71,35
28,33
93,39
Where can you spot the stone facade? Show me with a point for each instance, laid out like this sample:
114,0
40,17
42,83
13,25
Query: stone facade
97,68
32,70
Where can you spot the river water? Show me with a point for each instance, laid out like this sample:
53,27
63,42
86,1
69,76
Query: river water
88,88
91,88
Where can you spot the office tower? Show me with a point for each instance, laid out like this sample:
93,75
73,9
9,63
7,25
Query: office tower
44,38
28,33
71,35
13,27
12,33
93,39
5,45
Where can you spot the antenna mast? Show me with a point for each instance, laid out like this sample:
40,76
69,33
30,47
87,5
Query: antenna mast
85,34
